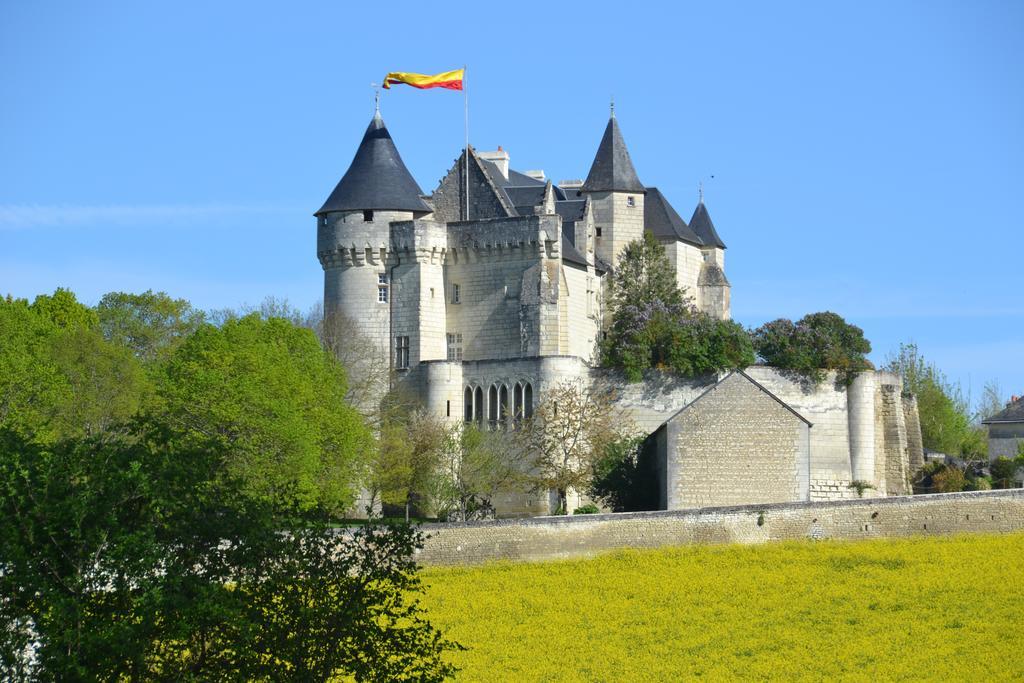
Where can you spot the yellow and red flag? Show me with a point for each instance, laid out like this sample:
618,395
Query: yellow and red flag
452,80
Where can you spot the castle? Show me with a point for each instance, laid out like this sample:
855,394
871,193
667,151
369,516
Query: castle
480,296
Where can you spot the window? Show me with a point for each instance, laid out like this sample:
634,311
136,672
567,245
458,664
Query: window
503,404
598,229
447,408
455,346
528,401
467,405
631,201
456,293
478,405
492,406
382,288
517,401
367,216
402,353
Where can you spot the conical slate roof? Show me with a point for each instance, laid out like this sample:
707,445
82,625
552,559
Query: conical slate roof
662,220
705,229
377,177
612,170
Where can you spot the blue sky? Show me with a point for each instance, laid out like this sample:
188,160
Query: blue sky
868,157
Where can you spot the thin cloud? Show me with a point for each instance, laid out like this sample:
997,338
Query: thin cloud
29,216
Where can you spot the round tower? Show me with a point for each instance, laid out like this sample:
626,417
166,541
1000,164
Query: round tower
353,245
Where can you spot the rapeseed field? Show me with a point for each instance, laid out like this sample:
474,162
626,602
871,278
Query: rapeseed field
935,608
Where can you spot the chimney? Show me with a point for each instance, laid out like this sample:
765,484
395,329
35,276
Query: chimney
499,158
536,175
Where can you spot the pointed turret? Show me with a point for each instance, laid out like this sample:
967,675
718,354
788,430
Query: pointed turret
705,229
612,170
377,178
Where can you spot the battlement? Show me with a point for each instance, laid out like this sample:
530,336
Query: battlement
501,237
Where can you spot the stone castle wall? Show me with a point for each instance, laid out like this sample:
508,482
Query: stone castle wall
736,445
550,538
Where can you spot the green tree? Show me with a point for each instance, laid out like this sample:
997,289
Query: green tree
274,399
63,309
141,560
31,382
945,417
150,324
816,343
476,465
623,480
654,326
409,458
58,377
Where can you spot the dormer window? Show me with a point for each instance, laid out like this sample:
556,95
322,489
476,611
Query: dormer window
368,216
631,201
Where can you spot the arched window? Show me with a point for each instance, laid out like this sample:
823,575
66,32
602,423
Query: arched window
492,406
468,404
517,401
478,405
528,401
503,404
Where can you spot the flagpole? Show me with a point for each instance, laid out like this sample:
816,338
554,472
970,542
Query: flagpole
465,100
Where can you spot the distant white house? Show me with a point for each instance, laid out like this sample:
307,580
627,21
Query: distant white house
1006,430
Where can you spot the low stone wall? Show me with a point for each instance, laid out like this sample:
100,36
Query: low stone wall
545,538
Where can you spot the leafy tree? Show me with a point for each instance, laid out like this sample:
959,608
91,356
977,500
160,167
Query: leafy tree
107,384
816,343
409,459
58,377
654,326
623,480
476,465
945,418
150,324
274,400
31,382
569,431
63,310
141,560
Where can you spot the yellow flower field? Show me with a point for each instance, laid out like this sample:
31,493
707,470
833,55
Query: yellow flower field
938,608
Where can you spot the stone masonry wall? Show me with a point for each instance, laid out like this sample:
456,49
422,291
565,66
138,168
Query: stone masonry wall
825,406
549,538
736,445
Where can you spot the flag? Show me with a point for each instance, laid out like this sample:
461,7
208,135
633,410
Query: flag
452,80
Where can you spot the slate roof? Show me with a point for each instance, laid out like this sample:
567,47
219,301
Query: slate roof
612,170
711,274
1012,413
377,177
662,220
701,224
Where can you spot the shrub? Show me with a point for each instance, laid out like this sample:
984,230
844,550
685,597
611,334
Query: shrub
979,484
588,509
1004,472
949,480
815,343
860,487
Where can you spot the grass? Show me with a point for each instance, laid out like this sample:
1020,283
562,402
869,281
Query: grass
938,608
